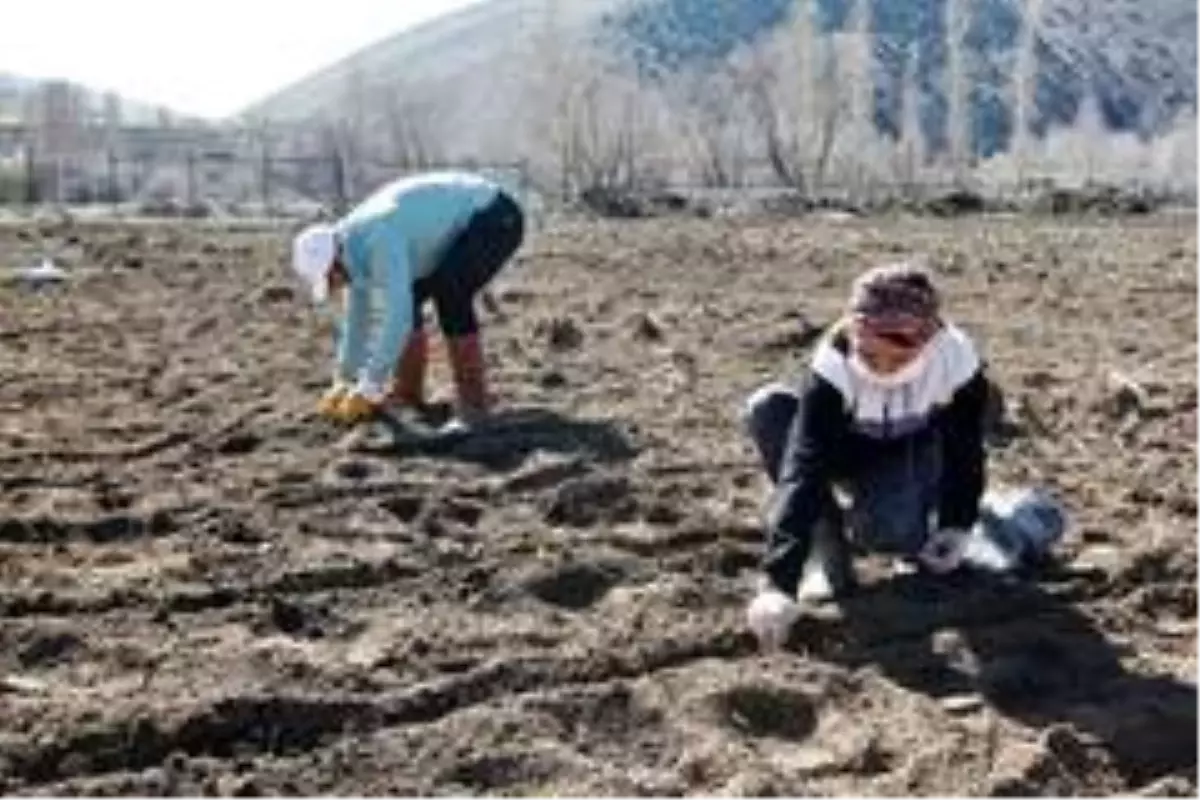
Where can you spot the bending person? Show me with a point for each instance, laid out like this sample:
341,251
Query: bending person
439,237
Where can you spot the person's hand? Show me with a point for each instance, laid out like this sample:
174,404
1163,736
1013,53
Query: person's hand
360,403
943,552
771,615
330,402
355,407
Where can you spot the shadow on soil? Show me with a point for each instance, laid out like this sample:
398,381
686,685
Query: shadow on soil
1026,653
506,439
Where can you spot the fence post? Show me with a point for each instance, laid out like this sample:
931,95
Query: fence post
191,181
266,178
31,187
339,182
59,181
114,183
564,188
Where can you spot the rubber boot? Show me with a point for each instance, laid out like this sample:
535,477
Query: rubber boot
408,389
470,378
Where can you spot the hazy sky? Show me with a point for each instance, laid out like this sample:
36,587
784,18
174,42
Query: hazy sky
206,57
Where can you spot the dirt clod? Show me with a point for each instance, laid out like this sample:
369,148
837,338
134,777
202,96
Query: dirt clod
560,334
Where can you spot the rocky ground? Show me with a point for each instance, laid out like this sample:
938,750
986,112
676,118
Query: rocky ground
205,589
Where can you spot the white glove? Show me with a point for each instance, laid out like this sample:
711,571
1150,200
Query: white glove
943,552
771,615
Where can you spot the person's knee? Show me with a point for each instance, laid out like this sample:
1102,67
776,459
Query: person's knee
767,413
459,321
767,416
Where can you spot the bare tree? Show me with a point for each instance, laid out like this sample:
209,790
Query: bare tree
261,135
910,146
710,109
1024,87
410,121
601,134
957,90
1173,157
858,153
331,147
857,67
544,96
592,123
710,112
350,125
792,89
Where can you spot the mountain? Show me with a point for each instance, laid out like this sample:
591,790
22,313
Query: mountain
1136,58
471,52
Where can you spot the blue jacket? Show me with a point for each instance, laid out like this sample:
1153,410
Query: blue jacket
391,240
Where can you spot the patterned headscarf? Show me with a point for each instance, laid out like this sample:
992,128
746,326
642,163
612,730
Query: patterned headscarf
896,298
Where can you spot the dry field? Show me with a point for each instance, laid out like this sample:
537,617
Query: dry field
204,589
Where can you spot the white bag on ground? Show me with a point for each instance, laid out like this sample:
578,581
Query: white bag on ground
1016,527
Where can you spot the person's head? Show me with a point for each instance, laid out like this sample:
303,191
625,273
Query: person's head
894,312
315,260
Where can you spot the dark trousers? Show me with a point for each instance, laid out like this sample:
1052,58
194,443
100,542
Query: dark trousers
472,260
892,499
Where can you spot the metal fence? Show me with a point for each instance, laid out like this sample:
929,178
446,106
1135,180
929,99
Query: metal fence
199,183
265,183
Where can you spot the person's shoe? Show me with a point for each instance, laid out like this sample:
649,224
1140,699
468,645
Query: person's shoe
828,571
408,389
815,585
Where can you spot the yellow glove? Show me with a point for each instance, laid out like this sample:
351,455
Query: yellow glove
354,408
330,402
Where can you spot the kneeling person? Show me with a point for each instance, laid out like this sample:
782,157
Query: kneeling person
890,414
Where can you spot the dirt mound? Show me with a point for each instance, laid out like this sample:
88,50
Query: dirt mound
206,590
1101,200
613,203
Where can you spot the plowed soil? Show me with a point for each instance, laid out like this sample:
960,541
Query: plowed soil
205,589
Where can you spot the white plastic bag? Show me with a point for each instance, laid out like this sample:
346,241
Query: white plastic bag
1015,527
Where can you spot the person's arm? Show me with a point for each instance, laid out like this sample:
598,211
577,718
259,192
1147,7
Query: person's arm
964,456
391,260
804,485
352,336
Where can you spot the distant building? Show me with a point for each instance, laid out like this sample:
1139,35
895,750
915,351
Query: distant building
57,114
111,115
10,101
